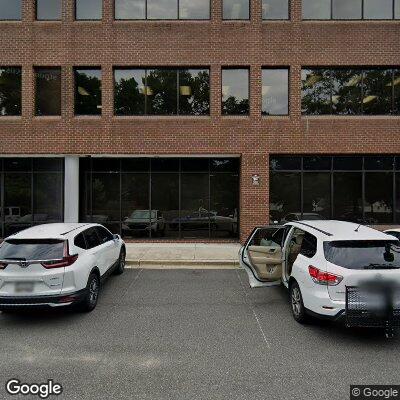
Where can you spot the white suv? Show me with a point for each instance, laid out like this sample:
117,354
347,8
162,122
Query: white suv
328,267
57,265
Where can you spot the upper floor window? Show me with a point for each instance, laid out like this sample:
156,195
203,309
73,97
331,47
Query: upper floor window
87,91
48,91
275,91
235,91
339,91
236,9
89,9
10,91
162,9
48,10
10,10
161,91
351,9
275,9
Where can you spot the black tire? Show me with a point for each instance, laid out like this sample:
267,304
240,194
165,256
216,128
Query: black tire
296,303
89,303
120,268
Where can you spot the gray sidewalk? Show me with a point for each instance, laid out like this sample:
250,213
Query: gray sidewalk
182,255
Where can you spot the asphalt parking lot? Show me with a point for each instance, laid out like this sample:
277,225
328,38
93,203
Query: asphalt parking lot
191,334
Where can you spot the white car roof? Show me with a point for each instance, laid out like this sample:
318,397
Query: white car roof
329,230
51,231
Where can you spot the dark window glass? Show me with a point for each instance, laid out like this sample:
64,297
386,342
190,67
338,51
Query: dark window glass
308,245
162,9
130,9
165,164
106,164
79,241
275,9
396,82
195,164
316,92
347,196
285,190
88,91
225,164
136,214
317,195
236,9
315,163
10,91
378,163
18,164
135,164
92,239
165,205
397,197
47,197
29,249
129,91
379,197
316,9
378,9
347,163
106,197
235,92
275,91
397,164
48,164
104,234
161,92
194,9
194,92
285,163
10,9
397,9
346,91
224,205
48,9
89,9
195,208
377,92
346,9
48,91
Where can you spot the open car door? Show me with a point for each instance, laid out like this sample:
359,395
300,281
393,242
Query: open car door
261,256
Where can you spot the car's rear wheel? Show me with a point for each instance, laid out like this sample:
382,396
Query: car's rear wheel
92,294
296,302
121,263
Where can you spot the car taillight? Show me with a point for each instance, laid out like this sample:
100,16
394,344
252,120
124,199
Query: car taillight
324,278
66,261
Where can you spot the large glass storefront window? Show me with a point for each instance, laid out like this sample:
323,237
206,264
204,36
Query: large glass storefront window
162,197
32,192
349,188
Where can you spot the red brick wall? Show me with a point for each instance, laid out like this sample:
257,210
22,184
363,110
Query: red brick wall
212,43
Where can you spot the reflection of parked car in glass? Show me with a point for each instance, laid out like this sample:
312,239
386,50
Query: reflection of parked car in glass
228,223
142,221
26,221
11,214
200,219
305,216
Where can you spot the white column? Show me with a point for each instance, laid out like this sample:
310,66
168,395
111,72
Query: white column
71,189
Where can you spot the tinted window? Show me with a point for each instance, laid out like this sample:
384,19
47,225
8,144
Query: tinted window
379,197
92,238
88,91
194,92
32,249
10,91
308,245
104,234
48,9
316,92
161,92
235,91
397,9
236,9
285,163
347,163
378,9
275,91
363,254
194,9
79,241
317,195
130,9
377,92
10,9
89,9
129,91
346,91
315,163
275,9
396,82
347,197
162,9
48,91
316,9
346,9
378,163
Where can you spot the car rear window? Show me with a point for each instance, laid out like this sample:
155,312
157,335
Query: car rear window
24,249
363,254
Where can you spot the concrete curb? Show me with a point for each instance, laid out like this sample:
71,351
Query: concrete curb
182,264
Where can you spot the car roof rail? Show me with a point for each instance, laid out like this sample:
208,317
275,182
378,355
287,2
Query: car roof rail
313,227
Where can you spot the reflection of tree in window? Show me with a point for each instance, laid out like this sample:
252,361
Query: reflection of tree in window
377,96
161,92
88,92
346,94
194,92
10,91
316,92
235,91
129,92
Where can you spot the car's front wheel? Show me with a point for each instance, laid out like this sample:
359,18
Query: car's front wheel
296,302
92,294
121,263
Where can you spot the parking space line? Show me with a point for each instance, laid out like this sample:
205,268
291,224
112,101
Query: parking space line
253,311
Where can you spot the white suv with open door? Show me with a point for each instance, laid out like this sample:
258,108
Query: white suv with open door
332,269
57,265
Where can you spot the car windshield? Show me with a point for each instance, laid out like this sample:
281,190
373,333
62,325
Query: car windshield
364,254
141,214
23,249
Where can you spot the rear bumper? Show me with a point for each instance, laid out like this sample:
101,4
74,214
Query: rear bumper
34,302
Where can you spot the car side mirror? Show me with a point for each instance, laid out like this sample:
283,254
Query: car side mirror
116,237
